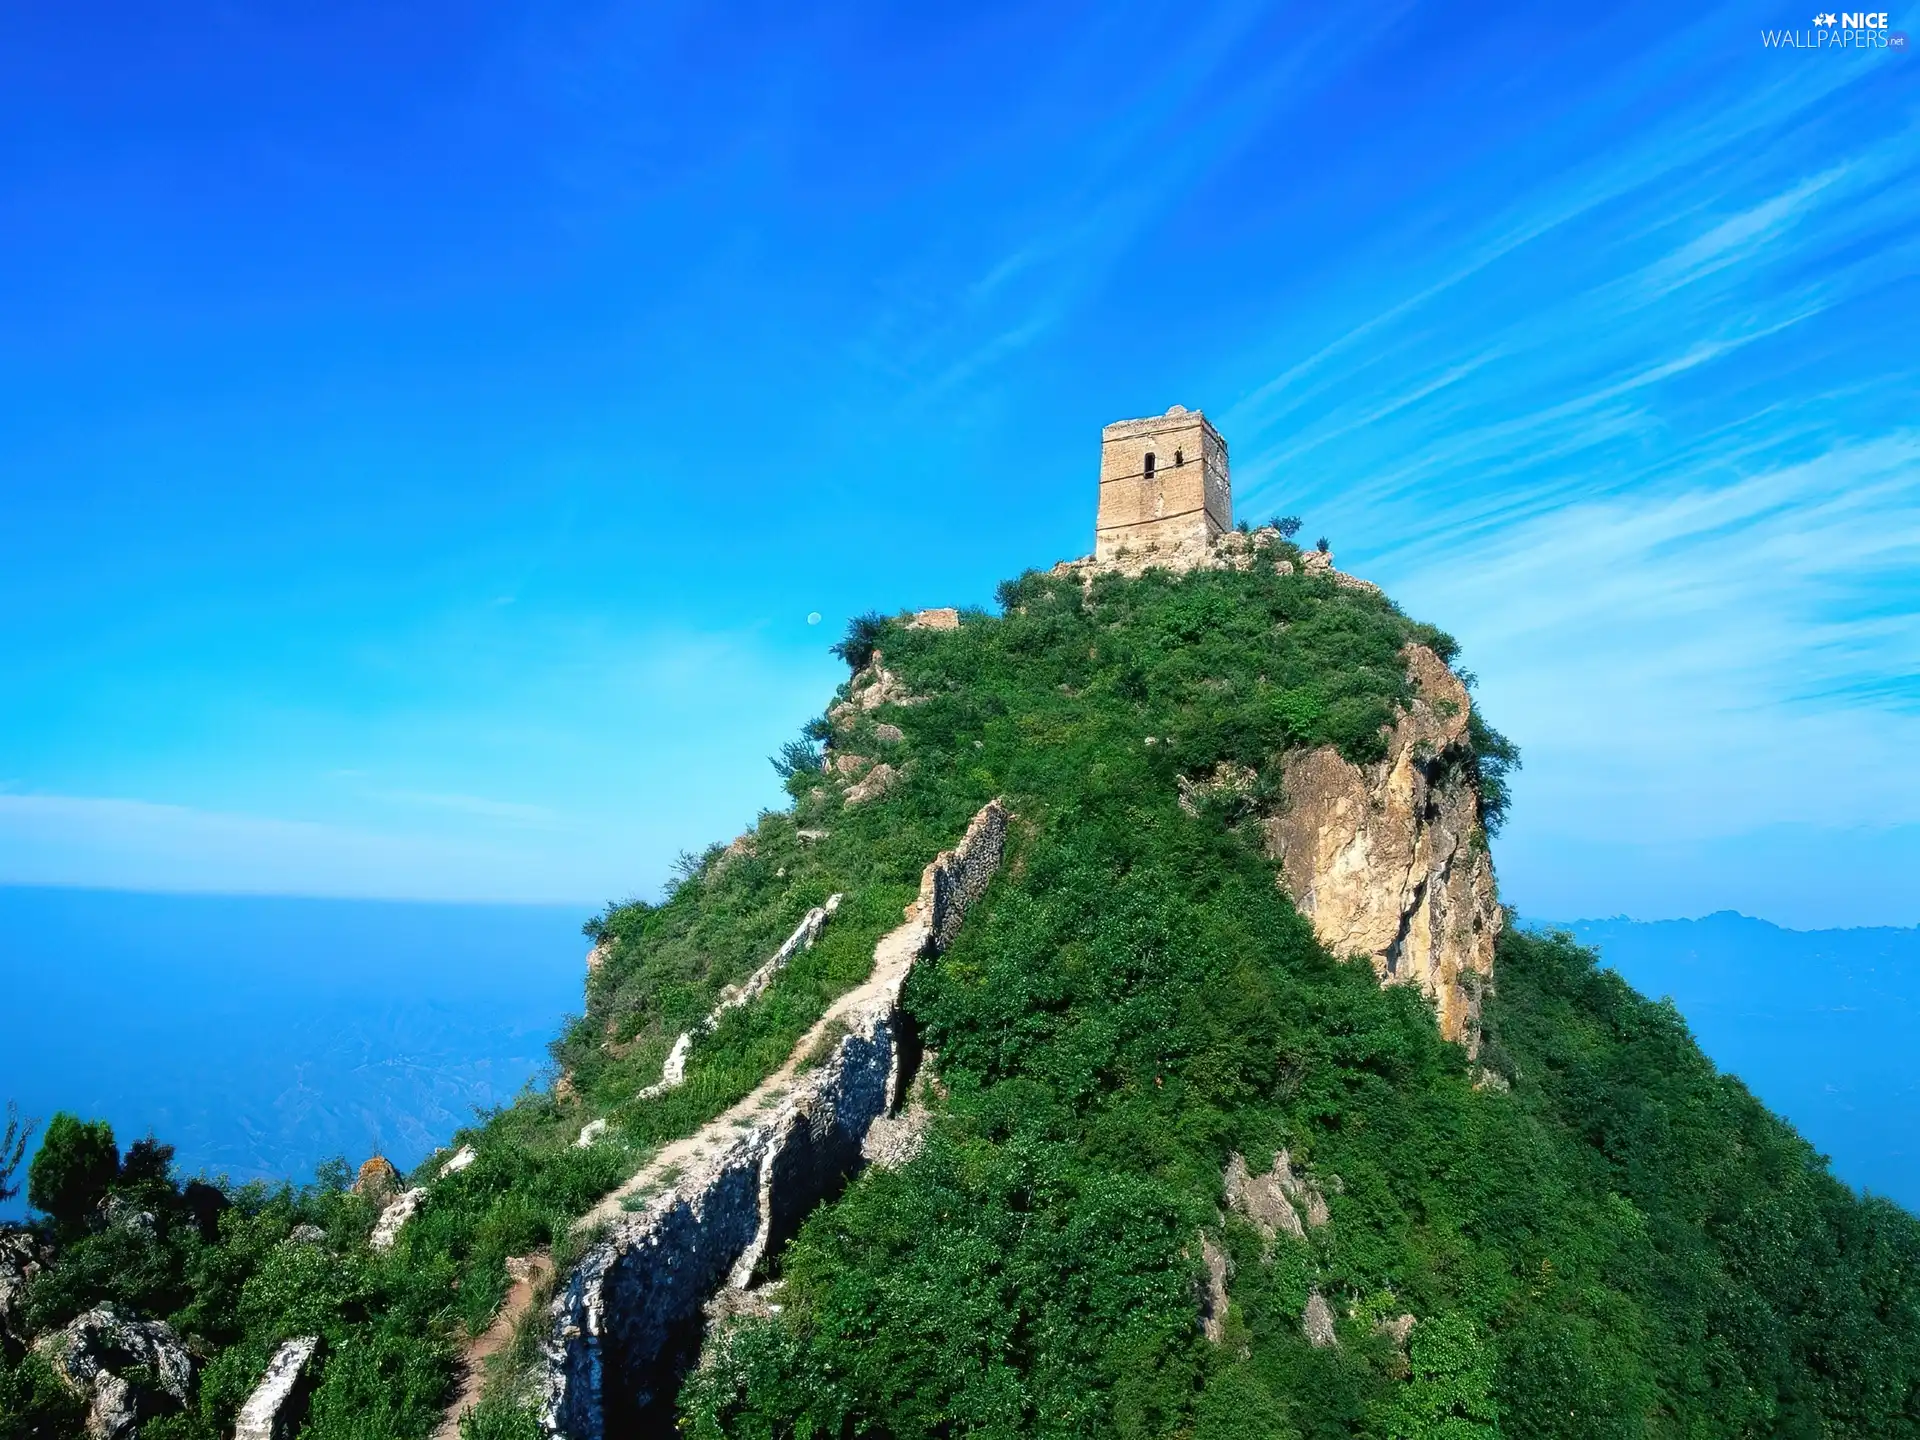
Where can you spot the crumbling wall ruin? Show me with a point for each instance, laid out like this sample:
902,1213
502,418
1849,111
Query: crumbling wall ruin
709,1211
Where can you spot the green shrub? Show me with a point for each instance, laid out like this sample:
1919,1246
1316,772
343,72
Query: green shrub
71,1172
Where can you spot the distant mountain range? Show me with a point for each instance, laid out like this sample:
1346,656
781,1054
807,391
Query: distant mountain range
1820,1024
263,1035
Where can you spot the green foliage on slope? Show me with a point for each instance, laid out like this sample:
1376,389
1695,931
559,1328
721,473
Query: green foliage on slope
1622,1243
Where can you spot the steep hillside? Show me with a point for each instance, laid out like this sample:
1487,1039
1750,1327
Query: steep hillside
1075,934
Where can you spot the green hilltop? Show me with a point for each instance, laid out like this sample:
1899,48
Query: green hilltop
1135,1031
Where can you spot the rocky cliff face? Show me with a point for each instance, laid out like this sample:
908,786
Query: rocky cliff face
1390,861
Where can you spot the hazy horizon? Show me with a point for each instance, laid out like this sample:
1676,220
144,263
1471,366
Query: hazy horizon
262,1035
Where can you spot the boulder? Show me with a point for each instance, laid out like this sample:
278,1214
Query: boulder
279,1402
879,780
98,1355
378,1180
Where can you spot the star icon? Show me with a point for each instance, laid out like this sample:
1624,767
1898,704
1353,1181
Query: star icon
1826,19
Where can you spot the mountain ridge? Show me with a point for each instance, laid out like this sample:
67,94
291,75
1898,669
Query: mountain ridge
1137,1047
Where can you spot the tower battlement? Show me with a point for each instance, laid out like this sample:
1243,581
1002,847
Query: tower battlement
1164,485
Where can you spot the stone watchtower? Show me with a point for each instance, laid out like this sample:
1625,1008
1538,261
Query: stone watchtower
1163,484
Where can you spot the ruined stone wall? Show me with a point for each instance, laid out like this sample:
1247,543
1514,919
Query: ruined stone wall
626,1323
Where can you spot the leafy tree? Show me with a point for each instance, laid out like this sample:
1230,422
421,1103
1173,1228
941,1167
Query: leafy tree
1288,526
13,1149
1495,757
862,639
796,757
1321,545
76,1164
148,1162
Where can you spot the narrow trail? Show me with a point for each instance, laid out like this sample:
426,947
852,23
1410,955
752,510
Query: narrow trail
527,1278
893,957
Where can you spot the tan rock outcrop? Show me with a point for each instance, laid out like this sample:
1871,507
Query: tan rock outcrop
869,690
1389,860
944,617
377,1180
878,781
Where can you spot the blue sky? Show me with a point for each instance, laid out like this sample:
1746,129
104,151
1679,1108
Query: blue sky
425,431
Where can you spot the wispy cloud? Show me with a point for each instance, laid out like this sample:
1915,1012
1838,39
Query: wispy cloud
1640,441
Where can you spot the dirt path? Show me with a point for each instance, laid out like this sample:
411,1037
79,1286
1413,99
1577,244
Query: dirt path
893,957
528,1274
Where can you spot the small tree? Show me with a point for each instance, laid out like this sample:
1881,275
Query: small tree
1288,526
796,757
147,1162
70,1175
863,638
13,1149
1321,545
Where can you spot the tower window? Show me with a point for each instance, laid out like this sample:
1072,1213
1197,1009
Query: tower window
1179,457
1149,465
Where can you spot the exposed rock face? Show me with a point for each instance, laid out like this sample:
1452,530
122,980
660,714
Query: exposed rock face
1316,1322
1213,1294
1389,861
97,1354
1262,1201
377,1180
279,1402
22,1261
869,690
709,1209
944,617
878,781
458,1161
